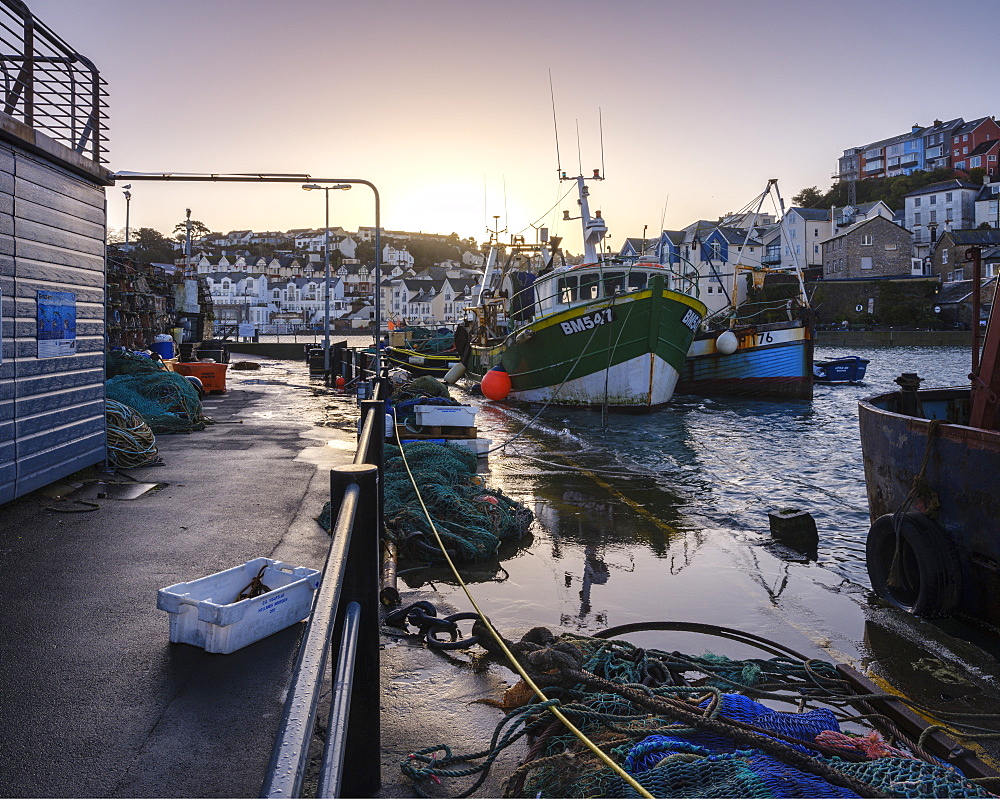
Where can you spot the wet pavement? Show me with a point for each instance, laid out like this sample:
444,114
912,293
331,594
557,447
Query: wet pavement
99,704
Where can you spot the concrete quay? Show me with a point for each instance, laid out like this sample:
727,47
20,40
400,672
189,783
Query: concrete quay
96,702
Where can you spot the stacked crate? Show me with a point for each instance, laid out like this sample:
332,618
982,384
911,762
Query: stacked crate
453,423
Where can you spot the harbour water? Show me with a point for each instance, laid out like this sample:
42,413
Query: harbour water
664,516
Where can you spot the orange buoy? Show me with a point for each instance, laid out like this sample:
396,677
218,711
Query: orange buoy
496,383
340,382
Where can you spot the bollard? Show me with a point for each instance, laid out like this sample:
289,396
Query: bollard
796,529
389,594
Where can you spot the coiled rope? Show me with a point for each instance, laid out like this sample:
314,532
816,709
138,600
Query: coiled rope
131,442
502,645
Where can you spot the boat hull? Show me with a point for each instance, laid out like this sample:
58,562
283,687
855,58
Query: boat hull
962,464
416,363
624,353
847,370
771,361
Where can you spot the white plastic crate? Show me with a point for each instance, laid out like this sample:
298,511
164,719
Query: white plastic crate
445,415
205,612
480,447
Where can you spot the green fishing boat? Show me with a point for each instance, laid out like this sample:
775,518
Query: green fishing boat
599,334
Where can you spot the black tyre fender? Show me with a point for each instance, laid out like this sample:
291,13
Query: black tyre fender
930,574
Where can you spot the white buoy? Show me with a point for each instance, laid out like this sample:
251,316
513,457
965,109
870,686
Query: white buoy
727,342
455,373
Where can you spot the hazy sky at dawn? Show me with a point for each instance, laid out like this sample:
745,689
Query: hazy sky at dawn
445,105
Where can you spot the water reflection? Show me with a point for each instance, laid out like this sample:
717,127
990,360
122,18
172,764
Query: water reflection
701,465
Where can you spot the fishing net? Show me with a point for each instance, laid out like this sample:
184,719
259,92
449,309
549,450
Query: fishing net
424,340
167,401
420,388
674,724
125,362
471,518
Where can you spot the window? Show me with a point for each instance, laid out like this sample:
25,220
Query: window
916,218
866,239
866,262
965,137
959,165
944,256
891,246
933,218
991,158
965,151
976,161
916,201
815,231
933,200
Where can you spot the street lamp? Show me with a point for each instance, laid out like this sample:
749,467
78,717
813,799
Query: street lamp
326,270
128,203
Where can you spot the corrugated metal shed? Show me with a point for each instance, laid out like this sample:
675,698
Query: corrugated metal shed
52,232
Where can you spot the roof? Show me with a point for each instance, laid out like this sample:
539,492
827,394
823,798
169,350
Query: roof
851,229
815,215
971,125
737,236
985,147
974,236
940,186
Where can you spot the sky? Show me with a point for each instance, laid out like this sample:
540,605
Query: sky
687,106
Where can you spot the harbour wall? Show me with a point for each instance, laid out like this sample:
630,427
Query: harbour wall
857,339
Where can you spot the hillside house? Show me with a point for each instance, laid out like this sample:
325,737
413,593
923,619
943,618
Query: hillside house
873,248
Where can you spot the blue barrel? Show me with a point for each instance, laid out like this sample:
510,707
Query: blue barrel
166,350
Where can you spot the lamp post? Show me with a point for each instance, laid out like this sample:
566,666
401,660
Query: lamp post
326,270
128,203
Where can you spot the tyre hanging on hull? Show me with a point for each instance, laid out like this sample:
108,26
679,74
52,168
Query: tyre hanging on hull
927,581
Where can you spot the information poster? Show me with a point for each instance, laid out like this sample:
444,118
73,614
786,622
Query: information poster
56,324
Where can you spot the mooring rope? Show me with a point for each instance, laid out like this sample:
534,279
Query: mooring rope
553,704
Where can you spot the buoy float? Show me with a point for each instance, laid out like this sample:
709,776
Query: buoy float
727,342
496,383
455,373
340,382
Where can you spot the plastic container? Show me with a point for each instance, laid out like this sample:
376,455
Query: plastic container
205,612
445,415
211,375
480,447
165,349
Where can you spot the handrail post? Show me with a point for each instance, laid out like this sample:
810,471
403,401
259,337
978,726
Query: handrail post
363,743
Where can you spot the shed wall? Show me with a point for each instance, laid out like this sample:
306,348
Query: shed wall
52,233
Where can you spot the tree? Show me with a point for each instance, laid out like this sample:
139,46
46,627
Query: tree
808,198
198,230
149,245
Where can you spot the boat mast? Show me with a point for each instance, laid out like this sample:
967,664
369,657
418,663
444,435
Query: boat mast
803,297
594,228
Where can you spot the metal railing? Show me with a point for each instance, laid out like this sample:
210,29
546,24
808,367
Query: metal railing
50,87
343,629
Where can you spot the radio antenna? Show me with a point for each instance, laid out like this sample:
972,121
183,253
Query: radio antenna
555,126
579,153
600,126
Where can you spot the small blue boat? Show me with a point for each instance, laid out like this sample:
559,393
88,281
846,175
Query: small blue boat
842,370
